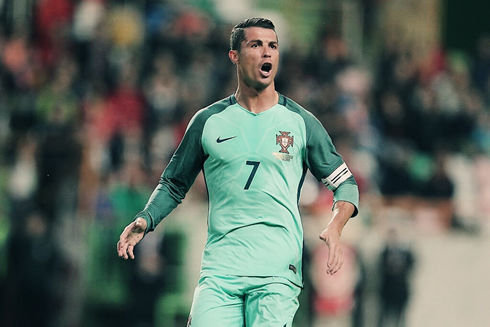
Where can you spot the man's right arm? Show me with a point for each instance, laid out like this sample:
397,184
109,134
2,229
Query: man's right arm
177,178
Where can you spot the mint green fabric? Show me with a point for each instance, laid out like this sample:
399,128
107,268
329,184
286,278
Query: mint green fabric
254,166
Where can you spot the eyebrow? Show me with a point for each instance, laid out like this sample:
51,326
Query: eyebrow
261,42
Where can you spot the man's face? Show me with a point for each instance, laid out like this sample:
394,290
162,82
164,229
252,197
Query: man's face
258,59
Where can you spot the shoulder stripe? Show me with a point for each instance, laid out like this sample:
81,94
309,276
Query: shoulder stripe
200,117
282,100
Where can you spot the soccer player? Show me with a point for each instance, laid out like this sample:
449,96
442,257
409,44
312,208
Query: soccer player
254,148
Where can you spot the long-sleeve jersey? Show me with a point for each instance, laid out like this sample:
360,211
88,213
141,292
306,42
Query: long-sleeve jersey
254,166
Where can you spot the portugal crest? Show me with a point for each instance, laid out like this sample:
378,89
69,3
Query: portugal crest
285,141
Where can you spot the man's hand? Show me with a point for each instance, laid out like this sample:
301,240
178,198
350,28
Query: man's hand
131,235
335,255
342,212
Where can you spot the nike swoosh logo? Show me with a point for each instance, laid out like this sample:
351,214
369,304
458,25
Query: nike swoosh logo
219,140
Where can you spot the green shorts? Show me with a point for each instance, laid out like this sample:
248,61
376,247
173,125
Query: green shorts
236,301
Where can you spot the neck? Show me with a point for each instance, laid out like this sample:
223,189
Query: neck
257,100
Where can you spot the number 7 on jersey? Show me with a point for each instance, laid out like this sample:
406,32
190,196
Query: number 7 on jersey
255,165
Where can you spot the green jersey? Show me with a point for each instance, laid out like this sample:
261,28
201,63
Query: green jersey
254,166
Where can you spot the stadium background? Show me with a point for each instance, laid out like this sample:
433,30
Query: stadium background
96,94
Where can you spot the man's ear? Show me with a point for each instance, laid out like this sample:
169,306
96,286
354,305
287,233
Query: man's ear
233,55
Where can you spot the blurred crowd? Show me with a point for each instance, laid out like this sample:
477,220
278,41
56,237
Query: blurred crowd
96,95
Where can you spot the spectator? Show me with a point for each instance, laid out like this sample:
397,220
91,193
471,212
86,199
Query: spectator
396,265
34,264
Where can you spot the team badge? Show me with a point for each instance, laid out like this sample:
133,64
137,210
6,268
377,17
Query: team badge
285,141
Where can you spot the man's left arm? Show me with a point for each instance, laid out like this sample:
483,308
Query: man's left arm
346,202
327,166
342,212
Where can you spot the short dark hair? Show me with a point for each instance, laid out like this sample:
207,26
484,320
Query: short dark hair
238,32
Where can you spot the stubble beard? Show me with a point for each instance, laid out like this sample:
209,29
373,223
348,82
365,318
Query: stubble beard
257,85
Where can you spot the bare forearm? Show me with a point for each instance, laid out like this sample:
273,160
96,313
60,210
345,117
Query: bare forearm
342,212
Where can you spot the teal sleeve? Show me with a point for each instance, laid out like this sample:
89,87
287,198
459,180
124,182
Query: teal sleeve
178,176
323,160
348,192
182,170
321,156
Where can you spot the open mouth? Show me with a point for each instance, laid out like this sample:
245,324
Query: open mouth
266,67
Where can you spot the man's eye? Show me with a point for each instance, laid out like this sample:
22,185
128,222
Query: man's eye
255,45
273,46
